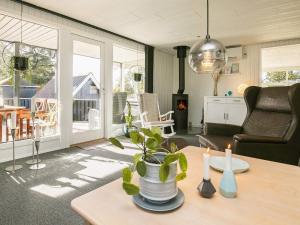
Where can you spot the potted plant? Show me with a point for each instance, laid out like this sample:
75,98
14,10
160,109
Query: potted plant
156,166
137,77
129,120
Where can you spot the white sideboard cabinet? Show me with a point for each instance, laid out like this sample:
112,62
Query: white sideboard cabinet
226,110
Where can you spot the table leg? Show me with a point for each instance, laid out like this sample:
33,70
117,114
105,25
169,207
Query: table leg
28,128
1,128
21,128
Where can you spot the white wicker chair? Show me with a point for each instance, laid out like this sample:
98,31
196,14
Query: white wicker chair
150,114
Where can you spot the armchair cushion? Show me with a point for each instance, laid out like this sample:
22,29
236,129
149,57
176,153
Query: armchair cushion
221,129
258,139
216,142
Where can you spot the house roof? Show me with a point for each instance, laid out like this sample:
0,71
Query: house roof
27,90
49,90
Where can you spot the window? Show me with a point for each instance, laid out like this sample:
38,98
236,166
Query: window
280,65
33,89
126,63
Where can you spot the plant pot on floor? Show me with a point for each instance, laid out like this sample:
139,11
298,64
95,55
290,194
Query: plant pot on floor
127,130
152,188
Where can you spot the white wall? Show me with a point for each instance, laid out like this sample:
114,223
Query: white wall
163,79
198,86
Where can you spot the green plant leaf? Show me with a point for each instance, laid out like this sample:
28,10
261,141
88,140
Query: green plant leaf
156,130
141,168
170,158
181,176
151,143
164,171
116,142
173,147
136,137
182,162
137,157
147,132
127,175
131,189
158,138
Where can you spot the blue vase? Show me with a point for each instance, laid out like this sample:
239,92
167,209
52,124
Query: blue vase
228,186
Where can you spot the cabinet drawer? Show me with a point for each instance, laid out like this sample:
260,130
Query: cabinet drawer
216,100
235,100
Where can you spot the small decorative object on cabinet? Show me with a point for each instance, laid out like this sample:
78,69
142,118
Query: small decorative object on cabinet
225,110
157,170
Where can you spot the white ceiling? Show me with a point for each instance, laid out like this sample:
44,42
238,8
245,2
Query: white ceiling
166,23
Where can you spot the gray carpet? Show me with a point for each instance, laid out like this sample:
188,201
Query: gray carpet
43,197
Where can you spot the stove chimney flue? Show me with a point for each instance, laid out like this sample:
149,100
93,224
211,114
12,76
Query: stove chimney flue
181,55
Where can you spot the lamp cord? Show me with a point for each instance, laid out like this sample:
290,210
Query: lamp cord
207,20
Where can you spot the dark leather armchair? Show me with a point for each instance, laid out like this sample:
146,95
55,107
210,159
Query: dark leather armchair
270,131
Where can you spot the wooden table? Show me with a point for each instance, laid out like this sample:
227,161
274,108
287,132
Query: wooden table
268,194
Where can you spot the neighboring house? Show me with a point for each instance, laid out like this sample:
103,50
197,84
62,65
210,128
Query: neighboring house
85,95
27,91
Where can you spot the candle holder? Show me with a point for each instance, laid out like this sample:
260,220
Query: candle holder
13,167
228,186
37,166
206,188
33,160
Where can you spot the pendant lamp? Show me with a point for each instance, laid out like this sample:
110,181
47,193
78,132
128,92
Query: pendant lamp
208,55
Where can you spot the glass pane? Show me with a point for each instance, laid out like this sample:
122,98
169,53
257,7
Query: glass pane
31,93
280,65
128,82
86,87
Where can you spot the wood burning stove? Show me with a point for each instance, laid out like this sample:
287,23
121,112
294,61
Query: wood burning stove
180,101
180,108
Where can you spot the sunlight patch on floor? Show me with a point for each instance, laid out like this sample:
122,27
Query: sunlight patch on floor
76,156
53,191
72,182
129,150
100,168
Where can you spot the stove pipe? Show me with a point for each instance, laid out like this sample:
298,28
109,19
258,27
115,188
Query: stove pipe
181,54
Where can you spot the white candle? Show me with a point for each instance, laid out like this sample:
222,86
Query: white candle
37,133
228,158
33,104
206,165
13,120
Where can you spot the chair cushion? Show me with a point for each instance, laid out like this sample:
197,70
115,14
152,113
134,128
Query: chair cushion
215,142
264,123
273,99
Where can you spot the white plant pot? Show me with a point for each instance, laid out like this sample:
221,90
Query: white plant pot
152,188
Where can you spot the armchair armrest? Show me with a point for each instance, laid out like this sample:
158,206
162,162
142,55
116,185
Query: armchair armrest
166,116
221,129
258,139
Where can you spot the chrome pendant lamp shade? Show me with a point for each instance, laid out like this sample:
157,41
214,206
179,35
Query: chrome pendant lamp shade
208,55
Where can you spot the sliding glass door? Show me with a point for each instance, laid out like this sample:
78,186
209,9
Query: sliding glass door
87,84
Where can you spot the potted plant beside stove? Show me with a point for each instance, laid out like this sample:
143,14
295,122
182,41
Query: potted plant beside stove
156,166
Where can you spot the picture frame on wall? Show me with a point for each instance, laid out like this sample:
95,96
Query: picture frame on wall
235,68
